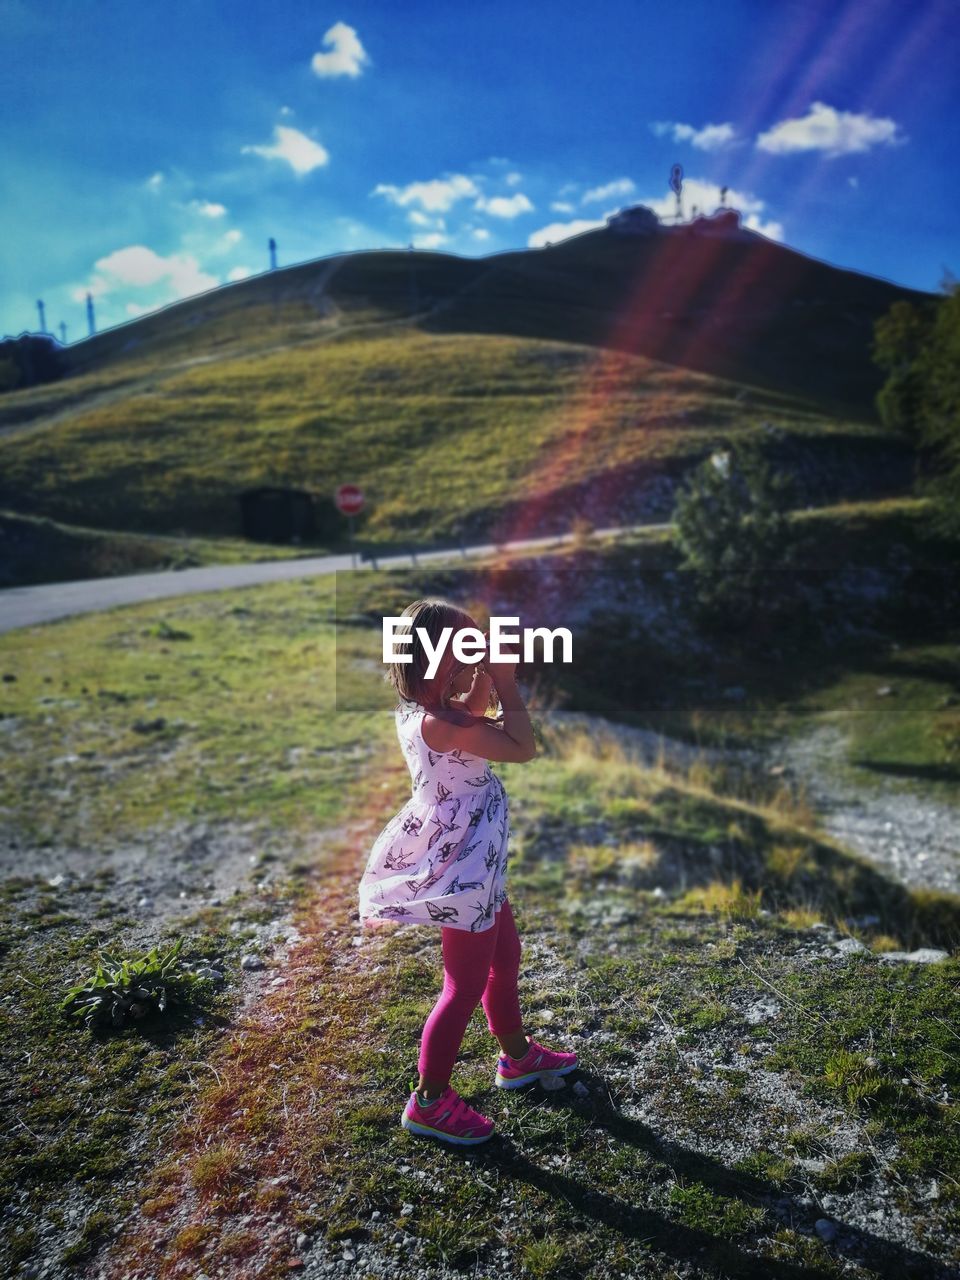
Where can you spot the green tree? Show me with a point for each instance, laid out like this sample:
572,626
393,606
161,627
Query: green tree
919,347
736,536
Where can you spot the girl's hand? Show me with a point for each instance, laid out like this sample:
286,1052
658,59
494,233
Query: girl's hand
498,671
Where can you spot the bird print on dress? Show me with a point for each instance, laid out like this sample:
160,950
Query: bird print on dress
394,860
442,915
467,849
444,828
484,914
456,886
442,859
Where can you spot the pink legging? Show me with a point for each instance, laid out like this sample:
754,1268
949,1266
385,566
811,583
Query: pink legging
477,967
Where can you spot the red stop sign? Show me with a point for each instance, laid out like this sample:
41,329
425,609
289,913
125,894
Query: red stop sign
349,499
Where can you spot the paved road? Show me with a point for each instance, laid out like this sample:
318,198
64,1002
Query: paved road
28,606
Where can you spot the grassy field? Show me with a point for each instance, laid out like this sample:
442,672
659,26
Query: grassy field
39,549
660,909
483,423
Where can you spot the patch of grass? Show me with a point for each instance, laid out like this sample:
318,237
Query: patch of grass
703,1210
544,1259
719,898
96,1228
218,1168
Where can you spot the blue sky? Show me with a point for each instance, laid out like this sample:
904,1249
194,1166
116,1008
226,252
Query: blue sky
152,147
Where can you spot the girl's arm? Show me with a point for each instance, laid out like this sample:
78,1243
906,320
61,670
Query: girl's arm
512,741
478,699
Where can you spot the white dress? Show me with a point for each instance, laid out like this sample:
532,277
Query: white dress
443,858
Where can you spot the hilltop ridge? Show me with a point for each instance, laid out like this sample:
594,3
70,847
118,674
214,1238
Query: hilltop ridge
709,295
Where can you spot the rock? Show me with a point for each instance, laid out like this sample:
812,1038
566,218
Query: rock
349,1255
407,1209
886,690
146,901
825,1229
923,955
552,1082
764,1008
149,726
252,963
851,947
580,1090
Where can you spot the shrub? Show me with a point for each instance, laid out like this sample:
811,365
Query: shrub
134,988
735,533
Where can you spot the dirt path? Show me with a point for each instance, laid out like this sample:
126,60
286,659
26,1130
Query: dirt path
912,836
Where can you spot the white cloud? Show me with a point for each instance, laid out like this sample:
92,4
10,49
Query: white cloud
835,133
137,267
619,187
561,206
504,206
155,181
232,236
480,233
435,196
772,230
301,153
346,56
710,138
286,111
558,231
853,181
208,208
134,309
432,240
239,273
424,220
513,179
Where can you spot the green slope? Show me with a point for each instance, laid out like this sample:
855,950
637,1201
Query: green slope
463,394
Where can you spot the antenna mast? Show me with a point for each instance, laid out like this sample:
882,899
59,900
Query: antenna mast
676,182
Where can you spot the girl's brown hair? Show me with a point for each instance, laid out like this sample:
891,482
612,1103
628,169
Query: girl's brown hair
432,614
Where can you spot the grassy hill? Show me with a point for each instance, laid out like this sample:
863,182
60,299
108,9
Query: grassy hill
474,395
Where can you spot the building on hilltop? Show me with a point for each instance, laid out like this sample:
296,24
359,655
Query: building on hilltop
724,224
638,220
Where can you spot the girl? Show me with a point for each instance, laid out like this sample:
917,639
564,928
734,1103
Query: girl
442,860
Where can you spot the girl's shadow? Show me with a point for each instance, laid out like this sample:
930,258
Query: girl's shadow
709,1252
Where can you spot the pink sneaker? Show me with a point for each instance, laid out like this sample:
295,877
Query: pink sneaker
449,1118
535,1063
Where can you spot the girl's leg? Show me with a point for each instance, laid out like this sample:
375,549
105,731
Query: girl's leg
466,968
500,998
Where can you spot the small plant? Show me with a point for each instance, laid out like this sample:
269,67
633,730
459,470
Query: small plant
134,988
164,631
